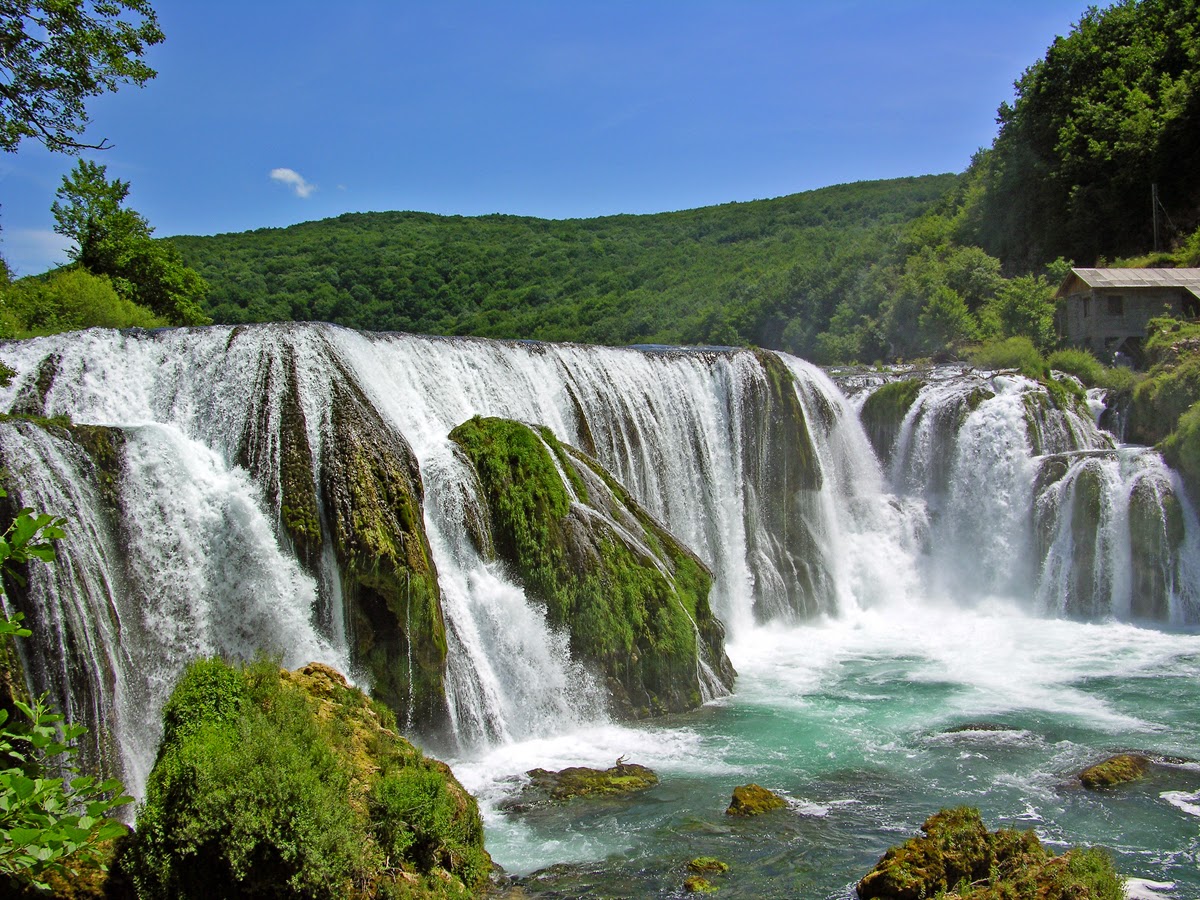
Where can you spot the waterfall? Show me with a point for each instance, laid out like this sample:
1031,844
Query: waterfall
184,538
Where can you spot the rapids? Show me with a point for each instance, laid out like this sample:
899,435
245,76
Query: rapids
1003,561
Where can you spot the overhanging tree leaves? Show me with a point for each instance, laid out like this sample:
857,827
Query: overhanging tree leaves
56,54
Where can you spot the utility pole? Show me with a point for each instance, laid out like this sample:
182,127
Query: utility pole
1154,207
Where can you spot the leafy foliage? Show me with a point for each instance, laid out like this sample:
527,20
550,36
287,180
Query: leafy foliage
68,300
49,823
273,784
59,53
115,241
731,274
1112,108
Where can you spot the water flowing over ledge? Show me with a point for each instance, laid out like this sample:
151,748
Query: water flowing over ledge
231,491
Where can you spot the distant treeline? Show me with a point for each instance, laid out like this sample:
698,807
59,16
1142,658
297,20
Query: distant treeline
868,271
727,274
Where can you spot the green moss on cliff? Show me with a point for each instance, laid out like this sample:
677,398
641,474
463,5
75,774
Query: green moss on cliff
372,493
272,784
782,478
883,413
632,598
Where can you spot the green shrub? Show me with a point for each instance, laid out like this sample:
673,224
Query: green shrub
278,784
1080,363
68,300
1010,353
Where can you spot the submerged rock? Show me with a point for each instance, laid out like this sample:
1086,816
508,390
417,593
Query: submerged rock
545,788
1120,769
633,599
956,849
753,800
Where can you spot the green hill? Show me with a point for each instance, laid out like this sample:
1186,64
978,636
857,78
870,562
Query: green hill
729,274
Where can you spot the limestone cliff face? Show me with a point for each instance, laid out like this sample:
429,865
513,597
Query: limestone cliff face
350,482
634,600
783,477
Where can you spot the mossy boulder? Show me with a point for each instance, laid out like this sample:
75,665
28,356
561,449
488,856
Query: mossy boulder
698,884
782,480
707,865
1120,769
271,783
753,800
883,413
633,599
956,858
545,788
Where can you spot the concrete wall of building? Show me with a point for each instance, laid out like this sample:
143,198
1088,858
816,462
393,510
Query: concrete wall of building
1102,319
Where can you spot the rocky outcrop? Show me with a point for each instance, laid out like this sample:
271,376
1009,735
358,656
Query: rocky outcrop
545,788
883,413
367,503
271,783
1120,769
782,481
753,800
956,849
633,599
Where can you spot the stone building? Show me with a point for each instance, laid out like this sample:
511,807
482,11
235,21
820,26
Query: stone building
1106,310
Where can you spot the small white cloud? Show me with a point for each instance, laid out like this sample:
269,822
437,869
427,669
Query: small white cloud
294,180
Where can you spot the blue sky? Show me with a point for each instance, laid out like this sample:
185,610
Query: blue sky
270,113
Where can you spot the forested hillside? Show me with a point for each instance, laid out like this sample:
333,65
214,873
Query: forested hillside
868,271
725,274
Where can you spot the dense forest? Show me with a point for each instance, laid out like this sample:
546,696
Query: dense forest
868,271
727,274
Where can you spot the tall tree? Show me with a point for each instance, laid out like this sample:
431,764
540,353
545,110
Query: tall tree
112,239
56,54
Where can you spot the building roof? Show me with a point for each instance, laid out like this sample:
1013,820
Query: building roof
1080,279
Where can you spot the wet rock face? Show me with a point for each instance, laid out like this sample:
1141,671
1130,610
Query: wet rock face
371,492
367,505
782,478
633,599
884,411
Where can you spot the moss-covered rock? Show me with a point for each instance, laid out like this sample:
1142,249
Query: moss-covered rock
1120,769
545,788
274,784
753,800
1156,535
367,504
706,865
698,884
1084,598
958,859
883,413
372,493
782,480
633,599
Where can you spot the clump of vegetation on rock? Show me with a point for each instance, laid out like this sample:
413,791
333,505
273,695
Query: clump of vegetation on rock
753,800
271,783
546,787
634,599
957,858
1120,769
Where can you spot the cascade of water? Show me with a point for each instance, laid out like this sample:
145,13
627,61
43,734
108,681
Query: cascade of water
871,535
203,412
